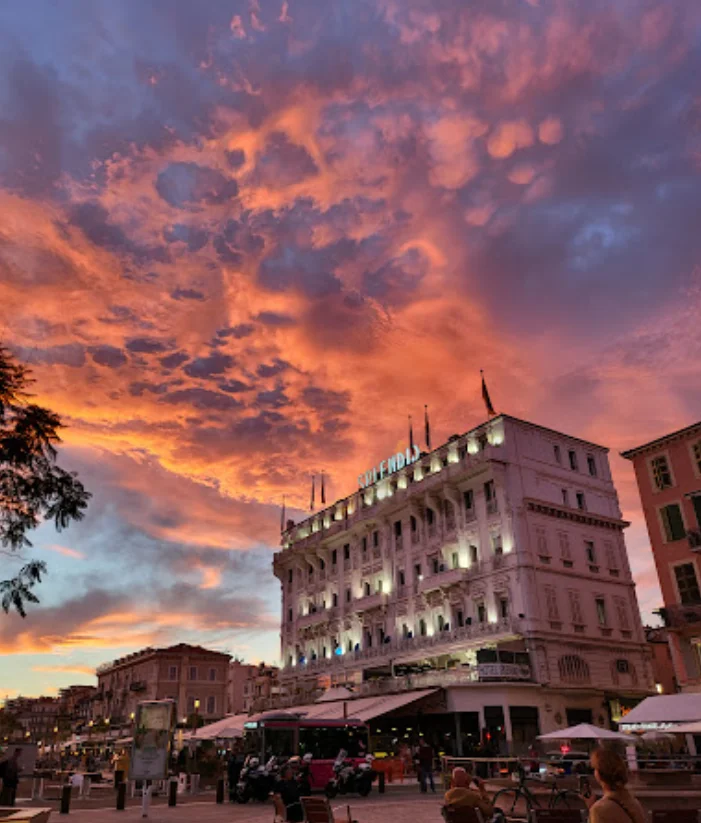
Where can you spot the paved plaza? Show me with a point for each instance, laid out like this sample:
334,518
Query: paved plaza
400,803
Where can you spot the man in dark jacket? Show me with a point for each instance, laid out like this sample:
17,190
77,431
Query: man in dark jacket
9,772
425,758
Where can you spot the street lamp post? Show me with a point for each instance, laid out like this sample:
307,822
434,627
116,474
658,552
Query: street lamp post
194,733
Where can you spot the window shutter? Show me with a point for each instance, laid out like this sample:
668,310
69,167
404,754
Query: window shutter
611,558
575,607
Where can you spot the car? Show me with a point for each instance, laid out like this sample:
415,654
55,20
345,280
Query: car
559,763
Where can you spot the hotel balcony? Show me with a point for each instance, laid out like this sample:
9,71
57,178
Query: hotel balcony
462,676
409,648
370,601
440,580
311,619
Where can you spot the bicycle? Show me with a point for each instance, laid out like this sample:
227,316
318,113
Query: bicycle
507,800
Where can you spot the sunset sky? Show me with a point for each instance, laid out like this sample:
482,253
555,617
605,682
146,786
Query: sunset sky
241,241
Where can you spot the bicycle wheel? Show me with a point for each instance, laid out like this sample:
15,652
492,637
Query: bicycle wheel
507,801
568,799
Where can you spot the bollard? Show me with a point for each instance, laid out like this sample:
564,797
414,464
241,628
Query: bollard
121,796
173,791
220,790
145,797
65,799
381,783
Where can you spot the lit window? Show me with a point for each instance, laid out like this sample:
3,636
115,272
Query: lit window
661,473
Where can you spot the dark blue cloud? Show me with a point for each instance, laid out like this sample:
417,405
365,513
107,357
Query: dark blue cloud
187,184
172,361
212,365
271,369
239,331
202,399
187,294
147,345
108,356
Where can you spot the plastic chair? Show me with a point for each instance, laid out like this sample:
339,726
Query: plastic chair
318,810
461,814
676,816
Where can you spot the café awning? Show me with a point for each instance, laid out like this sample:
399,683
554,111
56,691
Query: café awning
361,708
664,711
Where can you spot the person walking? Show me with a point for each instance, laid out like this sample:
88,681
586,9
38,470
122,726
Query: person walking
425,757
9,772
617,805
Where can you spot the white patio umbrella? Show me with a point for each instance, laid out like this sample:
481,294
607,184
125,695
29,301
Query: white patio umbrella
685,728
585,731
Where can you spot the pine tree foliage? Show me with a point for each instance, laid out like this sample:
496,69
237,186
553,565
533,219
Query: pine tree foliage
33,488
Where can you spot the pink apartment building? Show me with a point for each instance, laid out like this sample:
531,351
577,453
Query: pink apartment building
668,472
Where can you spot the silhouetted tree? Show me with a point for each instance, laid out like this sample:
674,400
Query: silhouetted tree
32,487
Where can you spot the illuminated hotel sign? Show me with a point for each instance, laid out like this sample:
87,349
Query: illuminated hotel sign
392,464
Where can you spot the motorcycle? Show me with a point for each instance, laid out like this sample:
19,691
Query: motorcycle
347,777
256,780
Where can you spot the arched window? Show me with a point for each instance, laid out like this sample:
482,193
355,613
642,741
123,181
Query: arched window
573,669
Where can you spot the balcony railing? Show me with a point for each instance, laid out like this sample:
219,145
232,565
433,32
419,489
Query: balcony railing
680,616
448,577
405,646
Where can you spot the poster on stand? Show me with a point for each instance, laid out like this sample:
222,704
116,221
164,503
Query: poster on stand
153,733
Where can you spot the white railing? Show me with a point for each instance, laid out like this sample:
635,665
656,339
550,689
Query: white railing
406,645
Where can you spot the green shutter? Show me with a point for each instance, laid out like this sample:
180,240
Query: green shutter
676,524
696,500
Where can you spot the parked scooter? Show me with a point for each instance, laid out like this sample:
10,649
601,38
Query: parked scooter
257,780
348,778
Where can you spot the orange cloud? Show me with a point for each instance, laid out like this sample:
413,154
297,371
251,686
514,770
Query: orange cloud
65,551
509,136
67,668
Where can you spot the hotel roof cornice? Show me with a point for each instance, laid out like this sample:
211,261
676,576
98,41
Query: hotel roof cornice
338,511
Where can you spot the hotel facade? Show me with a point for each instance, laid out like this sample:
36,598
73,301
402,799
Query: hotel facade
485,585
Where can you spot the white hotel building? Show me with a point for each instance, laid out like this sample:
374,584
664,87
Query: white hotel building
492,572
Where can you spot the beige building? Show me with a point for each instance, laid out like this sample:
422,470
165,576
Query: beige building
183,673
491,571
250,685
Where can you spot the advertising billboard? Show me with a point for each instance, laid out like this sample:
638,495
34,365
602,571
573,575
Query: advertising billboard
153,733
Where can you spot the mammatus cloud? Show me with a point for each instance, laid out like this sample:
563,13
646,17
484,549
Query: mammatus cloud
296,223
